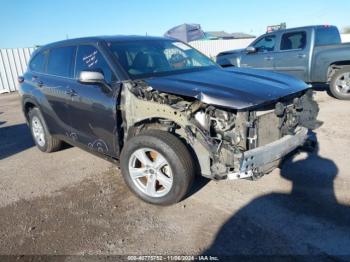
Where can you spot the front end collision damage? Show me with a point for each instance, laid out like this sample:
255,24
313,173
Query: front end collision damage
227,143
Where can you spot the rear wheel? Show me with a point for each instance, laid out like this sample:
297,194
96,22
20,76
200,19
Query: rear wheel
157,167
42,138
340,84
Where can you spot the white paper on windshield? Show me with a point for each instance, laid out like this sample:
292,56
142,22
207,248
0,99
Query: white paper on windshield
182,46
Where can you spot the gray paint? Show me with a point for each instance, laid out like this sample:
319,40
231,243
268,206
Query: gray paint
236,88
310,64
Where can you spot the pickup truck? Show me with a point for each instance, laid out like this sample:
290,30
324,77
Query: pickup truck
313,54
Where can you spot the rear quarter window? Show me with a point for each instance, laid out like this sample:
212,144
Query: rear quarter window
38,62
327,36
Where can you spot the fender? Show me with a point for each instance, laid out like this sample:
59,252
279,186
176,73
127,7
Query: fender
26,101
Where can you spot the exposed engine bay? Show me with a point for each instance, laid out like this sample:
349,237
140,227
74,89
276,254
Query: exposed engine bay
227,143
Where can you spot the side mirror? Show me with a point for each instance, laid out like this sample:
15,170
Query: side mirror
94,77
91,77
250,50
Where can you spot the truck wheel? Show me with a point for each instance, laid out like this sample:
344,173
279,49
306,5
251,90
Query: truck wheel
157,167
340,84
42,138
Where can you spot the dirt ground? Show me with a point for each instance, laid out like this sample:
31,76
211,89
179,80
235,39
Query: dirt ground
72,203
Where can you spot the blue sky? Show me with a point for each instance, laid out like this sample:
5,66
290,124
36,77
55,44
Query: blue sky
30,22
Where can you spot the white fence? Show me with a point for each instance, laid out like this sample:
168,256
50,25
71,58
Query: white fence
212,47
13,62
345,38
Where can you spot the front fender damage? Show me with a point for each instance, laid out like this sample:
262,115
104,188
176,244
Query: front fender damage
225,142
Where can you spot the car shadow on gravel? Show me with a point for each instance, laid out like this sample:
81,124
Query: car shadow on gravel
308,221
198,183
2,122
322,88
14,139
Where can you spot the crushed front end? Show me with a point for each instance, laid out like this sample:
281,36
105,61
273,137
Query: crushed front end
252,142
227,143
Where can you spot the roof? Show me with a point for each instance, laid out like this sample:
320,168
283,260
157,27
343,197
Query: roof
119,38
220,34
303,28
242,35
225,35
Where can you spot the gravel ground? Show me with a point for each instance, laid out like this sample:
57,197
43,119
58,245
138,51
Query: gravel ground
72,203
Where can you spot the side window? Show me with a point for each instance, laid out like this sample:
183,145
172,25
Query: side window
61,61
327,35
295,40
38,62
266,44
89,58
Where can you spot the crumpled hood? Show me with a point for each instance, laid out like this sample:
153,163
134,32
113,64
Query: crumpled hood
235,88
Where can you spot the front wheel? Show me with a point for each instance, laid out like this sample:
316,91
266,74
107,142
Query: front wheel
157,167
340,84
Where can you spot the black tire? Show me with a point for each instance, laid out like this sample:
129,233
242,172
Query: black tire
51,144
335,91
175,153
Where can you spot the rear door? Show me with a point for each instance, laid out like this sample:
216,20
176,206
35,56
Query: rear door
54,83
92,110
263,57
292,57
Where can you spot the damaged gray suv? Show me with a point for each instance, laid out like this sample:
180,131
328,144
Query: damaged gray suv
163,111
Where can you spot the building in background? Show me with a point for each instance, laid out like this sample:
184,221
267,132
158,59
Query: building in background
222,35
186,32
194,32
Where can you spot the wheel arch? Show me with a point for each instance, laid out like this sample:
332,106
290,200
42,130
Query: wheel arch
158,123
138,113
27,105
335,66
168,125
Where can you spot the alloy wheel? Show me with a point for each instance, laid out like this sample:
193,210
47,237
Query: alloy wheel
150,172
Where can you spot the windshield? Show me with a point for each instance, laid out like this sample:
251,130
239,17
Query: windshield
142,59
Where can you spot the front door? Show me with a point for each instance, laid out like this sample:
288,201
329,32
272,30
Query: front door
92,109
263,57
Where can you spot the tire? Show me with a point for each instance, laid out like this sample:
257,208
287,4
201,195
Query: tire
179,167
40,133
335,89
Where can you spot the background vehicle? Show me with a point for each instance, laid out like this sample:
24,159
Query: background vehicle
163,111
314,54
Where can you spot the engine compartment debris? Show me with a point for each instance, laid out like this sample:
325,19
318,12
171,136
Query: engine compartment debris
223,137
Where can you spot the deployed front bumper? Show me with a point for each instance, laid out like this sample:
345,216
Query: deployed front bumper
254,160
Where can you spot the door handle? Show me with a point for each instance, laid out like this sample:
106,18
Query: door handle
36,81
71,92
268,58
301,55
40,84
